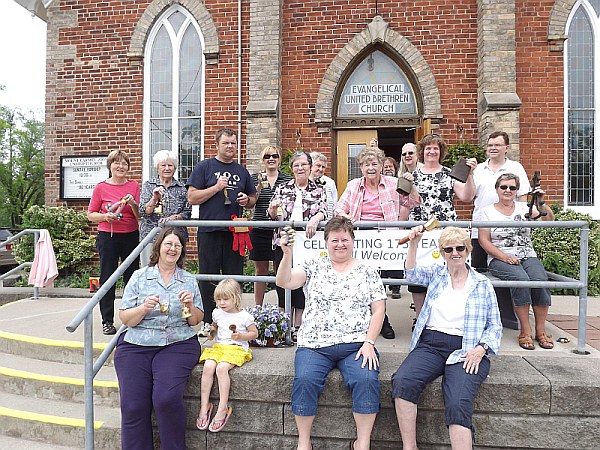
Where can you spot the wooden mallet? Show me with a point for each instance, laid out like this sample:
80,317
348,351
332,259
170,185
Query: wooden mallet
431,224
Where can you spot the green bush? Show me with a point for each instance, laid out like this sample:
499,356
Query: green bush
558,249
463,150
72,246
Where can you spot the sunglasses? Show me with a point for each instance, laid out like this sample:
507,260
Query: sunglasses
505,187
459,249
408,153
432,135
271,156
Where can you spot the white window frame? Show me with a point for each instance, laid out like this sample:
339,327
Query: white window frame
176,41
593,210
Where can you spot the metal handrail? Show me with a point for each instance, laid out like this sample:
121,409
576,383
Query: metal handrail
36,238
85,315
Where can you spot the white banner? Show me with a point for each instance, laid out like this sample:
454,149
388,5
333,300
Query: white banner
377,248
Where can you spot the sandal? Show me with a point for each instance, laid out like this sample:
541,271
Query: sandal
217,425
202,422
526,342
545,341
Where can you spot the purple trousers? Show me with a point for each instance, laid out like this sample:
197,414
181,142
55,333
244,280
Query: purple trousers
154,378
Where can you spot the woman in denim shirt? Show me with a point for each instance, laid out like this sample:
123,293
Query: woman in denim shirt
156,355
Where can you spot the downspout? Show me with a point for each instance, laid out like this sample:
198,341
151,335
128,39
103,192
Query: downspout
239,159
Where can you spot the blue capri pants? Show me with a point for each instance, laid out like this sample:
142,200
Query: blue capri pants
426,362
312,365
530,269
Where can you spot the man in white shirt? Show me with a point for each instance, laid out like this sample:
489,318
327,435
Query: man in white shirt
485,176
317,174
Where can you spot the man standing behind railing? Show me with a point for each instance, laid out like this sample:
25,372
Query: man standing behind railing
221,187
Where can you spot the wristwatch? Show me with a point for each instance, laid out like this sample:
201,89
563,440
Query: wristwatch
370,341
485,347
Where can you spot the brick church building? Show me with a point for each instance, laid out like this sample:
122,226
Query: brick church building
323,75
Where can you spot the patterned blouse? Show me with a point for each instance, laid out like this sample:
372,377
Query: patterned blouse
338,305
437,194
314,199
156,328
174,202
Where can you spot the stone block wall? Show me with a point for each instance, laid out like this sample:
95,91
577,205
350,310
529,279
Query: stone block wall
535,402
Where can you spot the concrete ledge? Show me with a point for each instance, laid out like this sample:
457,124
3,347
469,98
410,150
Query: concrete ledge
527,402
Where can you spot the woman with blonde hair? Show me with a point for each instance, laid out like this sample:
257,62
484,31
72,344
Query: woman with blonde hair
266,181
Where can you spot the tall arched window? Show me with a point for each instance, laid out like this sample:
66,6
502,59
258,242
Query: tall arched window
174,91
583,187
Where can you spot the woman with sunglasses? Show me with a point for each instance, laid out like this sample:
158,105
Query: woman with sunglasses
511,257
409,161
262,238
459,326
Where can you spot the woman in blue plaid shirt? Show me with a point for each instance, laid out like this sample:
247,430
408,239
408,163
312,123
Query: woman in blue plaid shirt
458,327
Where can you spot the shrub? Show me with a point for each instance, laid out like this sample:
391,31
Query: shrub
72,246
558,249
463,150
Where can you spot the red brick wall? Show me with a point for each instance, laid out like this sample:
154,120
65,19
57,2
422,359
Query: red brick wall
540,85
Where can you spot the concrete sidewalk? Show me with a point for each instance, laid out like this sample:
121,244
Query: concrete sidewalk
48,316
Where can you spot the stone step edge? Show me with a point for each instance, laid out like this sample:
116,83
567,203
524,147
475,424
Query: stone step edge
48,342
15,373
46,418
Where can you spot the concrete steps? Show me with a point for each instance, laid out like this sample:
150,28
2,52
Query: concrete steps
41,395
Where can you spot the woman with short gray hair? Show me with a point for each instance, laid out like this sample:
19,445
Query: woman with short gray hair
162,199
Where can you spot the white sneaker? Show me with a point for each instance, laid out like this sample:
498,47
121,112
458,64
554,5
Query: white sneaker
204,329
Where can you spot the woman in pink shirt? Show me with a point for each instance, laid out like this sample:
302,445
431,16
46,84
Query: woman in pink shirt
114,207
374,198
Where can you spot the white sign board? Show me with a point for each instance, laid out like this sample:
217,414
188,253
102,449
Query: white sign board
376,248
80,174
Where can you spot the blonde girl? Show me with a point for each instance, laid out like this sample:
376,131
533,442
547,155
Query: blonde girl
231,329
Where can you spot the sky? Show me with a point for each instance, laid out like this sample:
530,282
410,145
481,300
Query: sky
22,59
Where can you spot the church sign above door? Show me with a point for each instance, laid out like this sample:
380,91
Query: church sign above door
377,87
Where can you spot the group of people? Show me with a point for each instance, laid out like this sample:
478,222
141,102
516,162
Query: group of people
457,325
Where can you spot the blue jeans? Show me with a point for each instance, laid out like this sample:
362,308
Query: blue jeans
426,362
312,365
530,269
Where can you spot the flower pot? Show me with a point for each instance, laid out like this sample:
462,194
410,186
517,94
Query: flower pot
270,342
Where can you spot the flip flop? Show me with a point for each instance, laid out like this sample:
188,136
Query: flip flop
217,425
203,422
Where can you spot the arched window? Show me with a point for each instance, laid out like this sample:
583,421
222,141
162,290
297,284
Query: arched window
174,91
582,178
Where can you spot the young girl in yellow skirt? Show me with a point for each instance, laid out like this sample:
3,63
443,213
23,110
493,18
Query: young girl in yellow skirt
231,329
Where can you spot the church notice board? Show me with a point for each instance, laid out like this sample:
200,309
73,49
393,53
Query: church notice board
80,174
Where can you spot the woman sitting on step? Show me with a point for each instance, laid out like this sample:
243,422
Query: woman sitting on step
156,355
345,305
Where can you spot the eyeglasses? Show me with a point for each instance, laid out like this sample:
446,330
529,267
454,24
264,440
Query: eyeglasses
271,156
408,153
458,248
496,146
121,163
297,166
506,186
177,245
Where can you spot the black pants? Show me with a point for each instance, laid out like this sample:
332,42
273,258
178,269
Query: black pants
393,274
215,256
478,257
112,249
298,299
